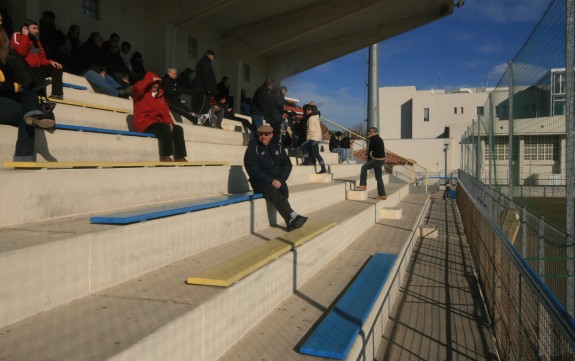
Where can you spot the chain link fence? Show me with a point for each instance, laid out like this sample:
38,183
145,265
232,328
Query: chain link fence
528,321
521,148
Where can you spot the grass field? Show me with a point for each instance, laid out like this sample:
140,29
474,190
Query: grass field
553,209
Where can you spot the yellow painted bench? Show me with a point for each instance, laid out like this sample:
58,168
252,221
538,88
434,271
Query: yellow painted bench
92,106
233,269
69,165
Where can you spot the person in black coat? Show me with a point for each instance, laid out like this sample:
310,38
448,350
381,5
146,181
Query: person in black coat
205,84
375,160
260,103
275,114
269,167
172,92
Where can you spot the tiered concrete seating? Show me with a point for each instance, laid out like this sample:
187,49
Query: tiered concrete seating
73,290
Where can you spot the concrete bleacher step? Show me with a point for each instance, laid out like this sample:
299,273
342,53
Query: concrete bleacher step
105,190
285,329
212,319
77,80
61,145
86,258
90,99
72,115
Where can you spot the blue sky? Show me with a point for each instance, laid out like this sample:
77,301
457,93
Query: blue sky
467,49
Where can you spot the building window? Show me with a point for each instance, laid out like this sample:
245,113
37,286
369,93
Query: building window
500,149
90,8
461,110
480,111
559,83
426,114
246,72
192,48
454,110
541,147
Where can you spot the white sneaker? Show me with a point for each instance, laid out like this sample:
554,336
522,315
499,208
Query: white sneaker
351,162
203,118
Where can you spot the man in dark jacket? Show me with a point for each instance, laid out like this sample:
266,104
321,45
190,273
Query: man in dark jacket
205,84
172,90
260,104
269,167
375,161
275,114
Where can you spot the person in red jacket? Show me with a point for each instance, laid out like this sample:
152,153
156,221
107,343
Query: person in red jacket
152,115
27,45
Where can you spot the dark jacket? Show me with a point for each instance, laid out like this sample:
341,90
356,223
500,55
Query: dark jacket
266,163
261,100
92,57
375,147
172,90
275,110
205,81
333,143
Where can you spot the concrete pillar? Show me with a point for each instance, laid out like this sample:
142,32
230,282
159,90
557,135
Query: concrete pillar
373,90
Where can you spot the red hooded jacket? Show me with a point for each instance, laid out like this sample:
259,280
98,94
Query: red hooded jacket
147,108
23,46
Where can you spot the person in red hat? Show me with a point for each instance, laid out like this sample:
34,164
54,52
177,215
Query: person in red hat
152,115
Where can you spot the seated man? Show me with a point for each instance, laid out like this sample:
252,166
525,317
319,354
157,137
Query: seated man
27,45
269,167
20,108
152,115
172,91
335,147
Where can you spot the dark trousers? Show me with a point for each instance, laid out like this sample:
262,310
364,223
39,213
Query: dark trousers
376,165
170,140
310,148
200,103
180,108
279,198
14,109
48,71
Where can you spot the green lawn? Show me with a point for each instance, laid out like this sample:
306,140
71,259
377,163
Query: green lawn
553,209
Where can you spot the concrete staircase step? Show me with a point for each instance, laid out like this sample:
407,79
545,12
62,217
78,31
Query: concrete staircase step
205,319
95,99
105,190
85,258
287,325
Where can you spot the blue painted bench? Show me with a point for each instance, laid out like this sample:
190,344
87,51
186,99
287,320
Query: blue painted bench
149,213
81,128
74,86
336,333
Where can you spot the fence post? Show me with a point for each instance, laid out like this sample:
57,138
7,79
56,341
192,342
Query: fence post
541,255
510,110
569,187
524,231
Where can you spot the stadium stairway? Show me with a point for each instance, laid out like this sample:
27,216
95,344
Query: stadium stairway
73,290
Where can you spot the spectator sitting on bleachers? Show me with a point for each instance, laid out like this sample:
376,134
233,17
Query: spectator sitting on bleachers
138,64
172,91
224,91
53,39
116,67
114,38
27,45
125,54
334,147
20,108
7,22
72,48
184,79
152,115
95,69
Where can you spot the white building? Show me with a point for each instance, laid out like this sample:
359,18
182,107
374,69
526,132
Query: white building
418,123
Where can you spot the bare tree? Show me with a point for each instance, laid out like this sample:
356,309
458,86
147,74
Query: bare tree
359,128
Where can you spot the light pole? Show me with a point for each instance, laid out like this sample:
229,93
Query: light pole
445,149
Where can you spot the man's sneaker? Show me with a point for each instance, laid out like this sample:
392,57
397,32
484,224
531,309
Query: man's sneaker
40,122
203,118
296,223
